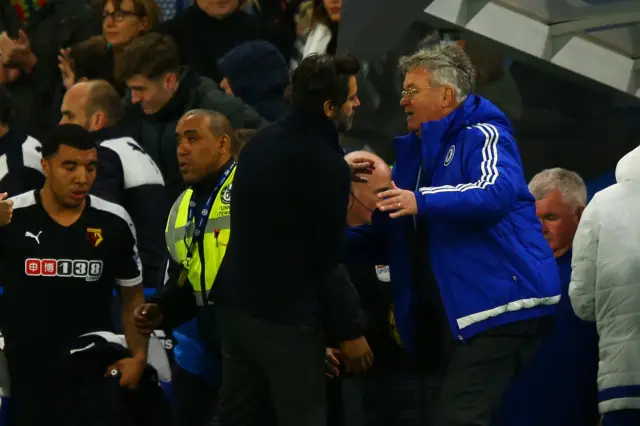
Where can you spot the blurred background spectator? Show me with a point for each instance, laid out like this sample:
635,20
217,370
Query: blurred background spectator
208,29
36,31
258,74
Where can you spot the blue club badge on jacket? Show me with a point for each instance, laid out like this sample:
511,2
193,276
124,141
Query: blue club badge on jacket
450,154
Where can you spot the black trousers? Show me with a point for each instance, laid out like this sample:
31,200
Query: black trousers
272,370
33,387
194,401
480,370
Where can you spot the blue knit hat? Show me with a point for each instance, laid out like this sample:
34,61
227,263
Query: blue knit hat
255,70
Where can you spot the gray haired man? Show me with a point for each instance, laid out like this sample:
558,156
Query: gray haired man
561,197
562,376
472,273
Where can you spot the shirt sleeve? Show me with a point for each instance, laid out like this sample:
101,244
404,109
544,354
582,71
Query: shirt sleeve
128,268
582,290
493,166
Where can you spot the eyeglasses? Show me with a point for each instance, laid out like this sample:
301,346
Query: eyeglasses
409,93
117,15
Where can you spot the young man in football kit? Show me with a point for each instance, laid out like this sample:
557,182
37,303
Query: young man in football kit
61,255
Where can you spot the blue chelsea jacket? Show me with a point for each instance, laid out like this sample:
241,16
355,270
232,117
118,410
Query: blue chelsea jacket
487,252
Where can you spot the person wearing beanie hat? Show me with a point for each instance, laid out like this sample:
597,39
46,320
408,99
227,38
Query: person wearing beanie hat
257,73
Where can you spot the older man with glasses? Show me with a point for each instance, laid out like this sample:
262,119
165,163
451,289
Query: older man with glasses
472,274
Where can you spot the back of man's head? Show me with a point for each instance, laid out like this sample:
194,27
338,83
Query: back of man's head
322,78
92,59
102,97
149,56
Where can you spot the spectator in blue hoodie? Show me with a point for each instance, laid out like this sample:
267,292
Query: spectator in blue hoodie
559,388
257,73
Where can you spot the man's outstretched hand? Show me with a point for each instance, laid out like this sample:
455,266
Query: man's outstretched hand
360,166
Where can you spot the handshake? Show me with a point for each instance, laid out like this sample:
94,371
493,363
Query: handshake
354,354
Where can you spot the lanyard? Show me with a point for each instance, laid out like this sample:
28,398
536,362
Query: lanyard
201,223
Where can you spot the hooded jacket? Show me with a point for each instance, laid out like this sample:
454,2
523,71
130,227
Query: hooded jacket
604,284
485,245
258,74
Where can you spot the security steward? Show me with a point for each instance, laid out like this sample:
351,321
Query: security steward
196,235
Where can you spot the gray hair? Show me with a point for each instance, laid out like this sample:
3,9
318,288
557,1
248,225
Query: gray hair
448,64
569,183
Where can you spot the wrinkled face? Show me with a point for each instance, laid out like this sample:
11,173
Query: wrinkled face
121,24
333,7
154,94
364,196
224,85
421,101
199,151
74,106
559,221
218,8
70,173
343,117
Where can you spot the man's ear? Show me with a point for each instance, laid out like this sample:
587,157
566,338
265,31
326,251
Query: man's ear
330,110
99,120
448,97
225,143
45,167
579,211
171,80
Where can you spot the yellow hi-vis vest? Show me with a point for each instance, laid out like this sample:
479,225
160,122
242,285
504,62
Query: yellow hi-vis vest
216,238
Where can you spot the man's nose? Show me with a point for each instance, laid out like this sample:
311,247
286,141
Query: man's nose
82,176
135,97
545,228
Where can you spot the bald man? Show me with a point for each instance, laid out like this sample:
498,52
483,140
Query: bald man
364,195
126,174
207,147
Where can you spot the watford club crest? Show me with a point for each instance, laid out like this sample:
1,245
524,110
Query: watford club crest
94,236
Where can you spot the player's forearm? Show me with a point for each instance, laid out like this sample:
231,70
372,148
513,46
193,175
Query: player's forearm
136,342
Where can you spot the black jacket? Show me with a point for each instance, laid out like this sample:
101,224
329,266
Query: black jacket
129,177
202,40
156,132
86,397
289,199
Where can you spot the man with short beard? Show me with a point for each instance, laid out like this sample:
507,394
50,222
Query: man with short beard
280,292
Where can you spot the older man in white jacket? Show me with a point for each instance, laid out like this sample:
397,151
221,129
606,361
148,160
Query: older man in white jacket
605,288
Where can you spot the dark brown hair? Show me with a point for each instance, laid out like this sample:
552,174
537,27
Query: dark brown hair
92,59
151,56
322,78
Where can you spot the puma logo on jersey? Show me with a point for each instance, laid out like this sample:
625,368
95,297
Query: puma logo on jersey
32,235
